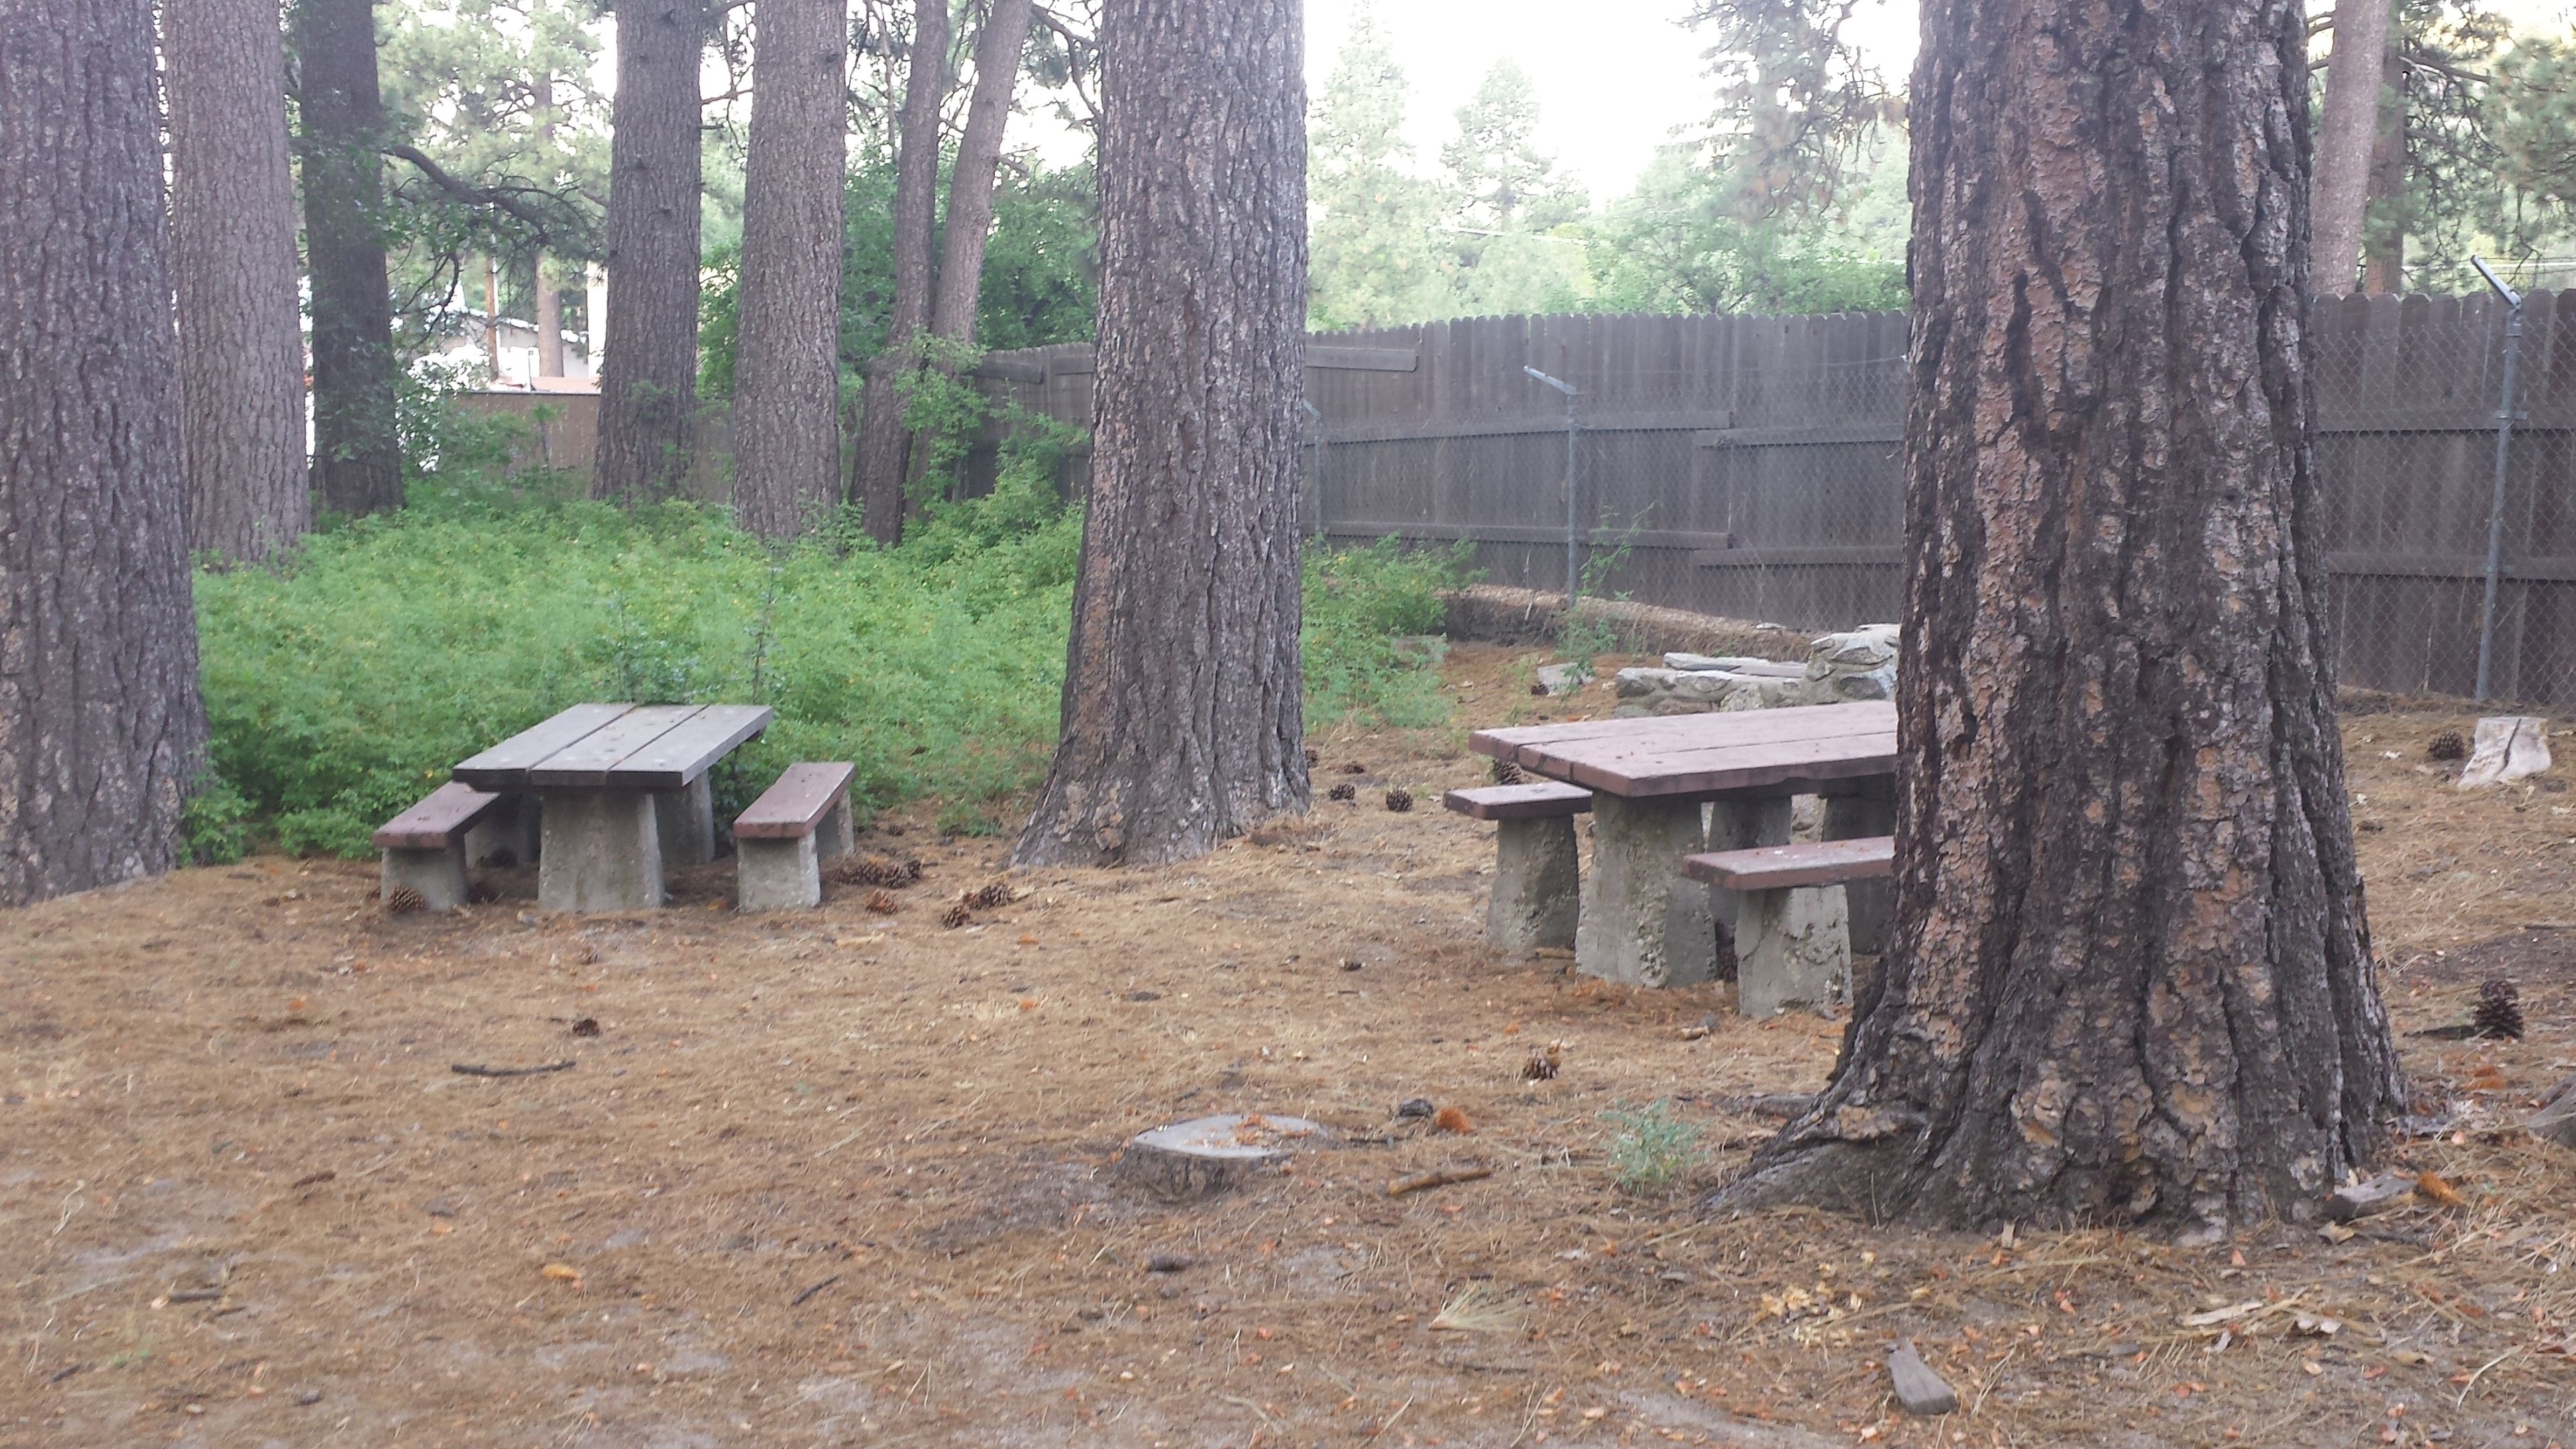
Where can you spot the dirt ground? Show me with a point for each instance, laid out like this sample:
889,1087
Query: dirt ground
839,1178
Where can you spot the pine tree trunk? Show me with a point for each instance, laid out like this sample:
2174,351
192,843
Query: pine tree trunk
357,458
232,218
100,725
787,435
549,304
970,179
2384,223
1183,719
648,382
2130,977
883,452
2345,138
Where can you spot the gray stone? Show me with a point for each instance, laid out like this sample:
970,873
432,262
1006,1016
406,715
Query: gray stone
438,875
777,875
2556,1119
1537,886
1879,683
1701,663
602,852
1563,678
1643,921
687,820
2509,746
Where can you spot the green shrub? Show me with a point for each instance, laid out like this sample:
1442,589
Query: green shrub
1359,601
214,824
1653,1150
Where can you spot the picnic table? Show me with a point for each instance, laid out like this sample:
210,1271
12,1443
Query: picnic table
1665,788
623,791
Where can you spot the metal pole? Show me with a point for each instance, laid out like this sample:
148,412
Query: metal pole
2503,455
1573,534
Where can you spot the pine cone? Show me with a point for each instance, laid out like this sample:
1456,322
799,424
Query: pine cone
957,915
876,870
402,900
1543,1066
1399,800
1506,773
879,902
911,870
501,858
991,897
1345,792
2499,1012
2447,745
1313,759
1354,768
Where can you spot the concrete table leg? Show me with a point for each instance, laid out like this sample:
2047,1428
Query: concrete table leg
1742,825
777,875
603,852
1790,950
1866,902
1643,921
439,875
1537,886
688,823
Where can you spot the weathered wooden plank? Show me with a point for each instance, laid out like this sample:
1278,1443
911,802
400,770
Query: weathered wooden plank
505,766
1745,726
1537,801
440,818
687,750
585,763
796,802
1809,863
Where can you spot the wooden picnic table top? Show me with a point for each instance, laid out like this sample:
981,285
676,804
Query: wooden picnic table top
616,747
1741,751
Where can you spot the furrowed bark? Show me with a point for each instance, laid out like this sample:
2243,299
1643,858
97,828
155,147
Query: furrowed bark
2130,976
2345,138
357,457
648,382
787,436
1182,694
101,729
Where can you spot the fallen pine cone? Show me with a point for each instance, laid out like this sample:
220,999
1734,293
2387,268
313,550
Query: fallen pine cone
880,902
402,900
2447,745
1506,773
1544,1065
1313,759
991,897
1354,768
876,870
1399,800
2499,1012
1345,792
957,915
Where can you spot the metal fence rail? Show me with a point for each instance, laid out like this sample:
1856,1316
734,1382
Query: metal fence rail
1748,467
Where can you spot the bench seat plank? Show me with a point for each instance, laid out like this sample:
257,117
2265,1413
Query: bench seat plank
585,763
1535,800
440,819
1780,867
791,808
686,751
505,766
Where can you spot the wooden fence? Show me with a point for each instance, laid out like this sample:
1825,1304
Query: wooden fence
1748,466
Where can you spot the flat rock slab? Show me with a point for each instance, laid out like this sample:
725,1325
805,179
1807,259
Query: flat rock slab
1209,1155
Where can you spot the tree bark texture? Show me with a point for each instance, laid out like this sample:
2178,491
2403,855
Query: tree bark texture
2130,977
2345,139
970,177
549,303
883,454
787,387
648,382
2383,227
101,728
357,457
241,336
1183,719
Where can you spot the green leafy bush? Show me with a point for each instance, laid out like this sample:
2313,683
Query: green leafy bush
1359,601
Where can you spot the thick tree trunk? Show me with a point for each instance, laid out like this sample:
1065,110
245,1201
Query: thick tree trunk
2345,138
549,305
882,452
100,724
2384,224
648,382
1183,719
787,434
970,179
241,339
2130,977
357,458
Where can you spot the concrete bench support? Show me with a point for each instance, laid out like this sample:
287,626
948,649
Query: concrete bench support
1792,944
1537,898
425,846
1866,903
436,873
602,852
781,842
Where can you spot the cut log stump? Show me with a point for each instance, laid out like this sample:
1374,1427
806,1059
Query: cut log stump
1209,1155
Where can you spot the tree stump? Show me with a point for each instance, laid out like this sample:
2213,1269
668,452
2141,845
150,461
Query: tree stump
1209,1155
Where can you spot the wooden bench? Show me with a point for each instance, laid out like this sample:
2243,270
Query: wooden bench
781,842
1538,887
425,847
1778,961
